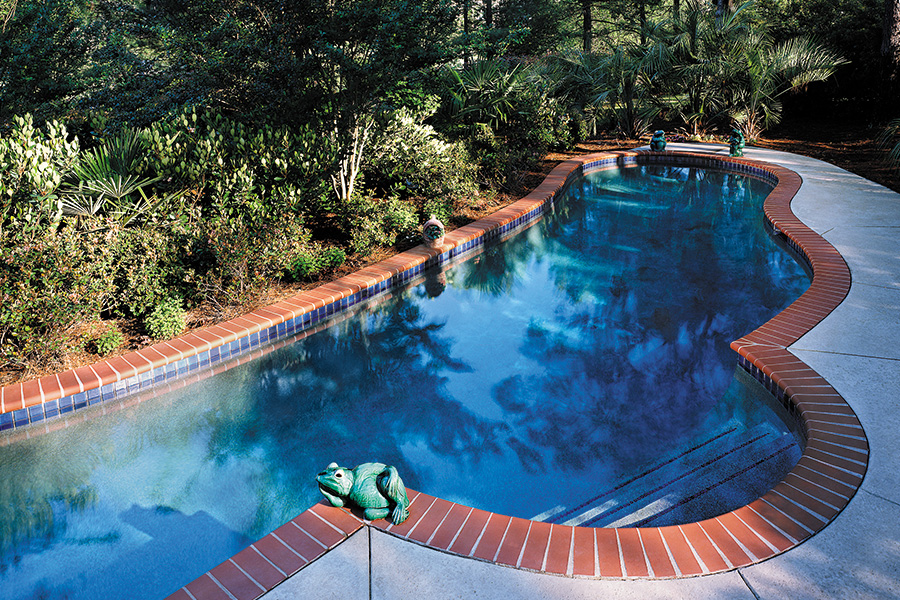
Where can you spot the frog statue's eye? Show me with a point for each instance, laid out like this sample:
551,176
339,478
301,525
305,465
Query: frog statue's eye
338,474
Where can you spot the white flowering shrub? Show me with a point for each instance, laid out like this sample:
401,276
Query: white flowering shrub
410,159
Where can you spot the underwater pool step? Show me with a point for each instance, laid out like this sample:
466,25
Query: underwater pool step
568,515
725,491
712,476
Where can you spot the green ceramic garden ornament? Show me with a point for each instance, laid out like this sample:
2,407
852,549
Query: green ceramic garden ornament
658,142
736,143
374,487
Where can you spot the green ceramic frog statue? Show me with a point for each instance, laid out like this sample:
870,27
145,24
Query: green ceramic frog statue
736,143
374,487
658,142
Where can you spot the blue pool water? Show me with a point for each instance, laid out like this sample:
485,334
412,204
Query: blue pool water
579,372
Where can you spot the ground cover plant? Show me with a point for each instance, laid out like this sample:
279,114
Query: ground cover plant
169,164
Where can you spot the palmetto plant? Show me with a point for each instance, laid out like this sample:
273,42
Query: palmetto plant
705,49
622,80
105,181
574,80
767,71
890,138
486,91
728,66
629,73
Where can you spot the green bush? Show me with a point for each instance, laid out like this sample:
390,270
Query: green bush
313,261
48,283
410,159
165,321
440,207
372,222
305,266
201,148
33,163
108,342
151,265
333,257
251,240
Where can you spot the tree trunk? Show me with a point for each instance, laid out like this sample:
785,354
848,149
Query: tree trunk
466,30
723,7
587,23
643,20
676,8
890,40
630,116
344,181
488,14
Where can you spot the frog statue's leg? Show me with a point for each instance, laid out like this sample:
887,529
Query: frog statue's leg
376,513
390,484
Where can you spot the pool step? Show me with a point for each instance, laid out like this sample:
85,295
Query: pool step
710,477
739,481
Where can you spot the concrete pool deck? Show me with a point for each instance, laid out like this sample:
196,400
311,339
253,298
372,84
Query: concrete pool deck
856,556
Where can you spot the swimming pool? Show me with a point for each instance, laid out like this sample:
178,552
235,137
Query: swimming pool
219,438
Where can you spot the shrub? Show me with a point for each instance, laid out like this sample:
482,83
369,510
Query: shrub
374,222
165,321
440,207
47,284
199,148
333,257
108,342
409,158
154,264
251,240
314,260
305,266
33,163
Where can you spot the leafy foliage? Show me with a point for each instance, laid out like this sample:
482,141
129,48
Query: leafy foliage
410,159
48,283
105,180
851,29
165,321
770,71
108,342
152,264
33,163
729,67
43,49
486,93
890,140
371,222
316,260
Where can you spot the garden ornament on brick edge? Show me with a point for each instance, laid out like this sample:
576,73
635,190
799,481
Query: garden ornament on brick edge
374,487
433,232
736,143
658,143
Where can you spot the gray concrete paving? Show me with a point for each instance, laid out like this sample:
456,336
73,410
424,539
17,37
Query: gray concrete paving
855,348
341,574
404,570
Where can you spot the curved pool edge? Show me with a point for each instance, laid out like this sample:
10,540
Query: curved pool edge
811,495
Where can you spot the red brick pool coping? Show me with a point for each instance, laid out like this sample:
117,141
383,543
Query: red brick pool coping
824,480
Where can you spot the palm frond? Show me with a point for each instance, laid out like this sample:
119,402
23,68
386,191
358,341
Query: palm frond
116,186
82,205
889,139
803,61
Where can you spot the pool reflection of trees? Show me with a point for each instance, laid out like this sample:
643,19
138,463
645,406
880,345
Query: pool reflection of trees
657,360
